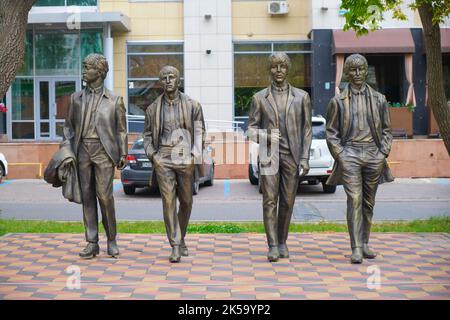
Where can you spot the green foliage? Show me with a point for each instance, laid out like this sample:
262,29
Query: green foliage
363,15
411,107
436,224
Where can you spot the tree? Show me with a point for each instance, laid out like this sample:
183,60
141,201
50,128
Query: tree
13,25
363,16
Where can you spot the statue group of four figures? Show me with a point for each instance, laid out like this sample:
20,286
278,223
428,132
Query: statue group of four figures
95,142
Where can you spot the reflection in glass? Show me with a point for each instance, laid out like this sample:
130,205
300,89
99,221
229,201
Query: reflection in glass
57,53
45,130
156,48
44,103
240,47
27,64
22,99
63,90
91,42
23,130
149,66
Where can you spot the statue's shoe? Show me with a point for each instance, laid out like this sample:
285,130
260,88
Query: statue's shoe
357,256
113,250
175,256
273,255
284,252
368,253
90,251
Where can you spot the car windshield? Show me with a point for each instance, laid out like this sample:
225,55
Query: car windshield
318,128
138,145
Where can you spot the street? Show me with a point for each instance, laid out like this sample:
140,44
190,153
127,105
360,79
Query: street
231,200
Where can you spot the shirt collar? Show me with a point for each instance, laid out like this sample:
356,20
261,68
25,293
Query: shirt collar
356,92
172,102
279,89
95,90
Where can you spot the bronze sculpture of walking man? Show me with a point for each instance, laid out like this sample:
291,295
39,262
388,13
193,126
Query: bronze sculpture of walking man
359,138
280,121
95,130
174,137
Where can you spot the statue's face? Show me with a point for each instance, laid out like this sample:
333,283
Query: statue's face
357,73
90,72
279,72
169,82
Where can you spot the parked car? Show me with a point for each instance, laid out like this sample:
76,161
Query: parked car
321,161
136,173
3,167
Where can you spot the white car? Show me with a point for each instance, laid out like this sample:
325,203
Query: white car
320,161
3,167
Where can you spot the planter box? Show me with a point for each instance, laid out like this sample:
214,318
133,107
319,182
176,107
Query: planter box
433,129
401,120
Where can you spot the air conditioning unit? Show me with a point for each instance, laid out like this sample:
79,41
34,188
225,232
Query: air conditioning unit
277,7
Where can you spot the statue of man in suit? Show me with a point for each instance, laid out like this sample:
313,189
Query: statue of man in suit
359,138
174,137
96,131
280,121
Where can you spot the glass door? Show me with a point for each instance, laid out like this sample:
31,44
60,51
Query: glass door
63,89
53,99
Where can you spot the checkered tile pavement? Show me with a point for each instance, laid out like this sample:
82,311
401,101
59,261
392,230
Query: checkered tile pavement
226,266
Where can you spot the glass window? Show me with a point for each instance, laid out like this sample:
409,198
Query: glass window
148,66
144,63
22,108
251,69
138,145
27,65
318,130
61,3
91,42
23,99
57,53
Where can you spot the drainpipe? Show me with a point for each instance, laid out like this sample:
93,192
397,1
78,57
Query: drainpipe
108,44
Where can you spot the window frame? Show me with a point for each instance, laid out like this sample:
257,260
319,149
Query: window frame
272,46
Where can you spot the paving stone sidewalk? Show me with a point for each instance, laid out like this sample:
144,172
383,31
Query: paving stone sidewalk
226,266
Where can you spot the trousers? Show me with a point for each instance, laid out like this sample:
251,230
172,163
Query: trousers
362,165
175,179
96,173
279,190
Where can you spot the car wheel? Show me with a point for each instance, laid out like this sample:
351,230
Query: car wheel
210,182
129,189
195,187
251,176
328,189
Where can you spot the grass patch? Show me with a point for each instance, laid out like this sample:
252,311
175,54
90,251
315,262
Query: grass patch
436,224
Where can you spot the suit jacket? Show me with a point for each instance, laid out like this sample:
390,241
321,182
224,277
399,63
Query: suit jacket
339,119
191,119
110,123
70,186
264,115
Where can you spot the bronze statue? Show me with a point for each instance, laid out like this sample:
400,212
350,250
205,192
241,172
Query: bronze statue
174,137
280,121
95,132
359,138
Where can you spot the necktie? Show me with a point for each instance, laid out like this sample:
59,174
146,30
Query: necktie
360,108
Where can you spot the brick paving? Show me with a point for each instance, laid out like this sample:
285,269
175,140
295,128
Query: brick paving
226,266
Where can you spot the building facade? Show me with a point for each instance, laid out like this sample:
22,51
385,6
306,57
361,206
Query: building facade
219,46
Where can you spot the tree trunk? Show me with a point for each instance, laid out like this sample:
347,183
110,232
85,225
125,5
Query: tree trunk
13,25
437,100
